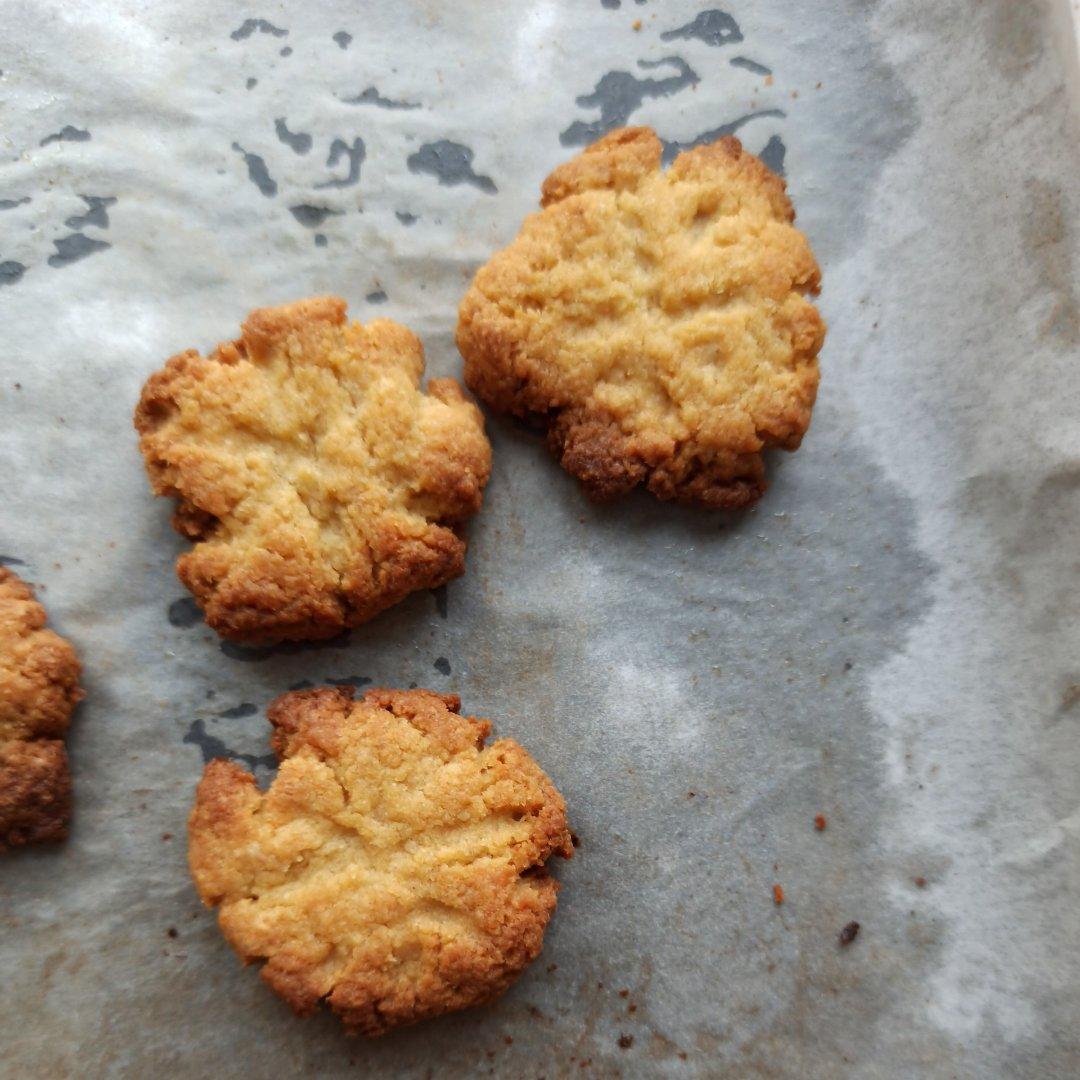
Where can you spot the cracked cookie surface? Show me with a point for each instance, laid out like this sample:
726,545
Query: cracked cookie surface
321,485
39,688
395,866
655,321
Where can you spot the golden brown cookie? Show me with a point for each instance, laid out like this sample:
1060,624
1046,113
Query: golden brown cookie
39,688
395,866
656,321
319,483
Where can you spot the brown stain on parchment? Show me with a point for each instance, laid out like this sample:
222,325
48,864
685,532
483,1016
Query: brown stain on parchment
1048,244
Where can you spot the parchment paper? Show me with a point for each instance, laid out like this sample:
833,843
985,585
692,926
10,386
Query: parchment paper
890,639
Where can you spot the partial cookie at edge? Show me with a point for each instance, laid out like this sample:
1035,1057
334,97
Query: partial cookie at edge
39,689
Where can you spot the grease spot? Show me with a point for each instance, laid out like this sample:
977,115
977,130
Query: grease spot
343,39
97,213
611,5
303,684
253,653
10,204
377,297
252,26
442,601
311,217
258,173
442,665
451,164
618,94
371,96
184,612
714,27
320,240
673,147
750,65
405,217
350,680
252,82
10,560
67,134
212,747
245,708
774,153
299,142
72,248
356,153
287,51
11,271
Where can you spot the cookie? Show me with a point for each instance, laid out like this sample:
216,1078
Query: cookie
319,483
395,866
39,688
656,322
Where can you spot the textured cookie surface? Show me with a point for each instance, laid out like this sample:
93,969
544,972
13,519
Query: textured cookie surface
656,321
395,866
320,483
39,688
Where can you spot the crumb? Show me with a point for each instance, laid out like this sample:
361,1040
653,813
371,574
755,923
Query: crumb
626,1041
681,1055
636,24
166,836
768,80
794,94
818,87
173,932
849,933
552,967
575,839
691,795
509,1040
624,993
631,1008
777,894
920,882
819,822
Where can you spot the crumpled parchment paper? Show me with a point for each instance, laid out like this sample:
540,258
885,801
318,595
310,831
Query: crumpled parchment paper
890,639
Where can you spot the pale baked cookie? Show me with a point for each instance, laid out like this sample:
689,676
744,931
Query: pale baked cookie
656,321
39,688
319,483
395,866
